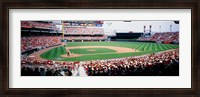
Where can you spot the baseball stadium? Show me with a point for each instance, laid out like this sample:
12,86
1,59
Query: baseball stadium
99,48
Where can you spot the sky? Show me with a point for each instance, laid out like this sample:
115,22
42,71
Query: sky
138,26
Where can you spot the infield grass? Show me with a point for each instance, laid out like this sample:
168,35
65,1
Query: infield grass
91,50
143,47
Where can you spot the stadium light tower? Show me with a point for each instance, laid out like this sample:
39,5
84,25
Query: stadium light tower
150,28
144,29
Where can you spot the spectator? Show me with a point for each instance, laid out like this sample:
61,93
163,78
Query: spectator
157,64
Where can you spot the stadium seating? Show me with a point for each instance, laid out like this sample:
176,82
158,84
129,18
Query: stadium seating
86,38
84,30
32,42
42,25
166,38
162,63
85,33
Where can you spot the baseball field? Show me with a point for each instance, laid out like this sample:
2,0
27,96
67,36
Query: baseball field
84,51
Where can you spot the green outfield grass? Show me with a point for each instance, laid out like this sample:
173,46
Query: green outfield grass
54,53
143,47
91,50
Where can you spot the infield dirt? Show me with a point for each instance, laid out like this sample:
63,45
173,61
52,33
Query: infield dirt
117,50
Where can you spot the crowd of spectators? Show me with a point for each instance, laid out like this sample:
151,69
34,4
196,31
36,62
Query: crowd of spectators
84,30
34,24
164,63
33,42
166,38
86,38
